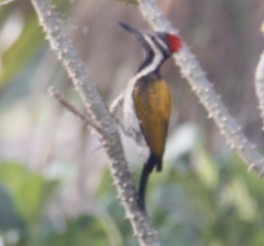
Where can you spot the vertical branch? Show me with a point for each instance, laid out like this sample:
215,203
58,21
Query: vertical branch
259,83
95,107
203,88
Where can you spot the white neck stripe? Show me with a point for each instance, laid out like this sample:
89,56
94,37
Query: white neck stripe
157,58
161,43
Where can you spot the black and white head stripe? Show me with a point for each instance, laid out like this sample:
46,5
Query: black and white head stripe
160,42
157,52
152,62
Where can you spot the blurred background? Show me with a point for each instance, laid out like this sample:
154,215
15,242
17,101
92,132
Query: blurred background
55,187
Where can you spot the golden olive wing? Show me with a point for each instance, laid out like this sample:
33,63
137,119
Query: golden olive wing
152,103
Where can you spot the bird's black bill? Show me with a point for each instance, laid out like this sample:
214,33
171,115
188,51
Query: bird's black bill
138,34
129,28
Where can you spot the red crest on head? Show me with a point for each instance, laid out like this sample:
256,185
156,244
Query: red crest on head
174,42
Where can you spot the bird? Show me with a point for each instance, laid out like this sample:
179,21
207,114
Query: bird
147,100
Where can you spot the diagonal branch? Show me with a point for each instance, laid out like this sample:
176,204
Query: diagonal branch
95,107
203,88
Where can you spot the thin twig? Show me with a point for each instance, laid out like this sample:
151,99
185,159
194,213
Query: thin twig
203,88
4,2
65,103
95,107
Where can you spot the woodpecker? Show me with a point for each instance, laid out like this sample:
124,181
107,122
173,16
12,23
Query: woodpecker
147,100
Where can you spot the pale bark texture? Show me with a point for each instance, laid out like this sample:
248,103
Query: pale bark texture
62,45
259,82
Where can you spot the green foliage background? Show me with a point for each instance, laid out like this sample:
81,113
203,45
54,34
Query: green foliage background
199,199
215,203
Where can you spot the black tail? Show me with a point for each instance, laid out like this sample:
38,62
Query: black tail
152,161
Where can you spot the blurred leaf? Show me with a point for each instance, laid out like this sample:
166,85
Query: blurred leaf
236,193
9,218
19,54
29,190
205,167
85,230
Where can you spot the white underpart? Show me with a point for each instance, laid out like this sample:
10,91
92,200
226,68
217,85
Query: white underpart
131,121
